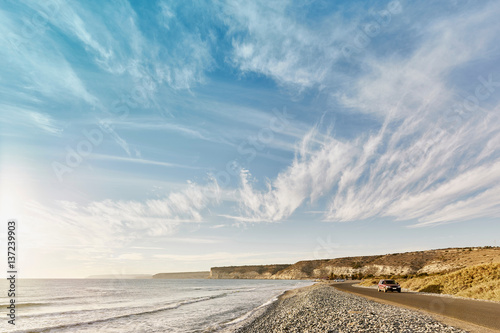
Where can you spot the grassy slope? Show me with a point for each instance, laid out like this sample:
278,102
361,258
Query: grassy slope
480,282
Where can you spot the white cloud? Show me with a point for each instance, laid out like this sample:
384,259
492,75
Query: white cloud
35,63
421,164
143,161
417,166
112,39
484,205
109,51
26,116
109,224
278,45
311,176
408,175
400,86
45,122
433,200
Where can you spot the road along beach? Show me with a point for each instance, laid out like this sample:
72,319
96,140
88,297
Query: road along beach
322,308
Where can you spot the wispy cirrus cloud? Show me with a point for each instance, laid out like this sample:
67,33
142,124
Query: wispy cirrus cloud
312,175
278,45
420,178
20,116
143,161
420,164
96,62
36,64
113,38
45,122
421,82
423,154
483,205
119,48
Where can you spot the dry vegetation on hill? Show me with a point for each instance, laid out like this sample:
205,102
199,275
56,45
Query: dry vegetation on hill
428,263
409,263
480,282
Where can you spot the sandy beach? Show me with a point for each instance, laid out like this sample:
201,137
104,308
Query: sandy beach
322,308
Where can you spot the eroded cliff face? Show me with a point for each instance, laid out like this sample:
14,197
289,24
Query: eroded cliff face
325,270
246,272
375,270
432,261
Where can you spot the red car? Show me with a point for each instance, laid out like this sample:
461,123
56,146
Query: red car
388,285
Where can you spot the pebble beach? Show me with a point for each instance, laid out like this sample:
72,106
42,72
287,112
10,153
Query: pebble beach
322,308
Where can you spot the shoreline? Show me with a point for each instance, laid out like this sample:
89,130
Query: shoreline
322,308
239,323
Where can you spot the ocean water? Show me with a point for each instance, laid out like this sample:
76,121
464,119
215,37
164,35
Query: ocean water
87,305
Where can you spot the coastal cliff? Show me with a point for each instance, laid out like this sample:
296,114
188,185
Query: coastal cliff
418,262
246,272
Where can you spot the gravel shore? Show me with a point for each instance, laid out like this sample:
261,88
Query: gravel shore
322,308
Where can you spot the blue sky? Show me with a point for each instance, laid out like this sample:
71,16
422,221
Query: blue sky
163,136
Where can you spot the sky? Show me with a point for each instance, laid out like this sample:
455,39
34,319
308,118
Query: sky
163,136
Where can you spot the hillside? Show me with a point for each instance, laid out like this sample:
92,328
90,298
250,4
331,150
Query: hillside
246,272
419,262
480,281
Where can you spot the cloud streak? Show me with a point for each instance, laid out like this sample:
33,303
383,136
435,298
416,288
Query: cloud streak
278,45
17,116
422,164
408,129
108,223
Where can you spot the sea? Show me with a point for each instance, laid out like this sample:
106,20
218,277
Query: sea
146,305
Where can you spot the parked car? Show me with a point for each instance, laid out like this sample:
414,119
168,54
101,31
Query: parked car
388,285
